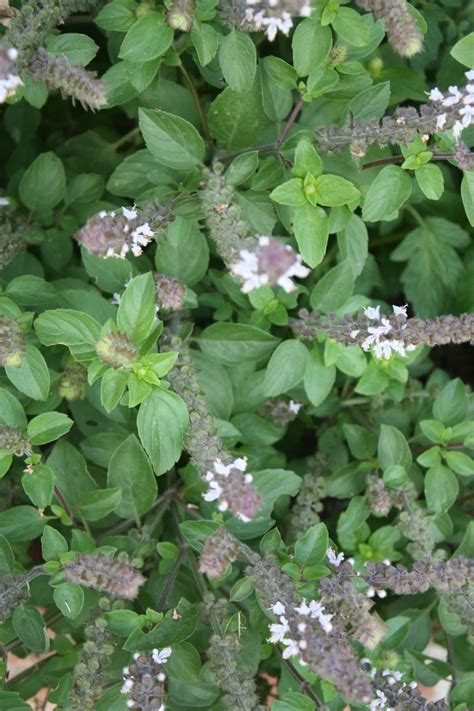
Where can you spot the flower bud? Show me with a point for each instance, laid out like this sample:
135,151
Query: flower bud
219,551
13,440
108,575
169,292
72,384
12,343
115,350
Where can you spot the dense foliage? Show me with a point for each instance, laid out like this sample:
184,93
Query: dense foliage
236,326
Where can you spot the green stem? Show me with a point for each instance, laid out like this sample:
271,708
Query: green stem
126,138
197,103
415,214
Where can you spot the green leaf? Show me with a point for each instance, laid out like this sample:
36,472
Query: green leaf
79,49
280,72
29,626
137,308
286,367
393,448
430,180
334,289
206,42
69,599
289,193
183,252
238,60
68,328
311,548
361,442
172,140
95,505
149,37
71,474
311,230
333,191
11,412
388,192
293,701
463,51
112,387
353,243
130,469
434,267
318,379
459,462
238,123
371,102
236,343
441,488
43,184
32,377
242,168
311,45
21,523
116,17
467,193
162,423
53,544
48,426
350,26
450,405
38,485
307,160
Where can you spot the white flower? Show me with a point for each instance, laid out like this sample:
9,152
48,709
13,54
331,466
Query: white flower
355,333
4,201
380,702
392,676
247,269
333,559
441,121
278,608
129,214
470,75
116,299
457,129
303,609
436,95
279,630
213,492
8,86
455,97
294,406
292,648
161,657
130,704
325,622
400,310
127,686
372,312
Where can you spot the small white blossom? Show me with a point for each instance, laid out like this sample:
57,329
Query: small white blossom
355,333
436,95
279,630
294,406
372,312
380,702
127,686
162,656
213,493
129,214
4,201
270,263
278,608
400,310
333,559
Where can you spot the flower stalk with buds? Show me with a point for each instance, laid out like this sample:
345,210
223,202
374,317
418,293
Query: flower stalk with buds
107,575
401,26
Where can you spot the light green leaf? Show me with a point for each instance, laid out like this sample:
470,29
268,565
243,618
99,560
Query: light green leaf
137,308
467,194
311,230
32,377
43,184
430,180
388,192
311,45
162,423
286,367
236,343
238,60
171,139
149,37
130,469
334,289
318,379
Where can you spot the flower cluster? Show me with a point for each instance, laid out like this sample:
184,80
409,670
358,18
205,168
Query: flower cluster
394,693
227,481
169,292
74,81
454,580
270,263
144,680
13,440
273,16
115,350
219,551
308,504
235,680
12,342
88,677
12,233
281,412
225,220
9,81
404,334
459,102
109,575
401,26
115,234
13,592
73,382
450,110
307,631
